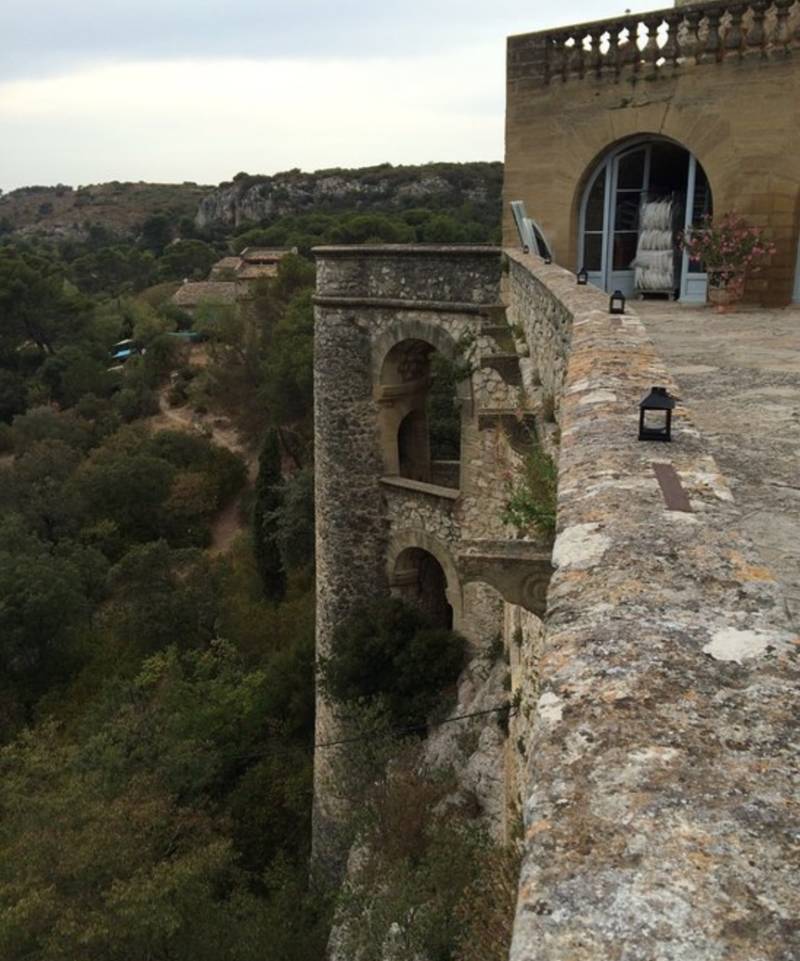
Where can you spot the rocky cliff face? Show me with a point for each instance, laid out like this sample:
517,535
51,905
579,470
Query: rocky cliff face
250,199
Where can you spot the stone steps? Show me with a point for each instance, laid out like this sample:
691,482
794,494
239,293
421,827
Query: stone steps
507,366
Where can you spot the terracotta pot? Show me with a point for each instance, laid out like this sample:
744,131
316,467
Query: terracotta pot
725,296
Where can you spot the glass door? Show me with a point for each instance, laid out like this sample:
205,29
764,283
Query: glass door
694,280
629,178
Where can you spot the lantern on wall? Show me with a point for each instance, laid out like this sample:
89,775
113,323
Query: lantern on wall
655,415
616,305
583,276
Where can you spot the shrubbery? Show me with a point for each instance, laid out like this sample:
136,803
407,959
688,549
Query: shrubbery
387,651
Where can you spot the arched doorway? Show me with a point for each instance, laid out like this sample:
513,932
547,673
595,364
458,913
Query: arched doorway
420,416
419,579
636,202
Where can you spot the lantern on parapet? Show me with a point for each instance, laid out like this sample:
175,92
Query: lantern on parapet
655,415
548,259
616,305
583,277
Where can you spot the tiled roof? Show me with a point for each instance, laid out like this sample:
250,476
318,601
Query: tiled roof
254,271
209,292
265,255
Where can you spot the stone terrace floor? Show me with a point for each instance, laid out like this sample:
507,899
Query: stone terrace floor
740,374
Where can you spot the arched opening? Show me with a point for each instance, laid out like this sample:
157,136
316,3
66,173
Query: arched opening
420,414
419,579
637,201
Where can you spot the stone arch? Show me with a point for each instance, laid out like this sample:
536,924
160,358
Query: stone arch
605,207
620,143
416,329
401,373
418,539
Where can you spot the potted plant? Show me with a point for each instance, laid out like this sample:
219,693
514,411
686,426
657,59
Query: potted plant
730,249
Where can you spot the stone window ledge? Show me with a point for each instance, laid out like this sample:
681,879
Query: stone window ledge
419,487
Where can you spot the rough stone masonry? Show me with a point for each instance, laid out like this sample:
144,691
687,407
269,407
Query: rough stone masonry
661,809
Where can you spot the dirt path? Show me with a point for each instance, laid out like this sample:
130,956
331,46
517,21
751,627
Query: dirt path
228,522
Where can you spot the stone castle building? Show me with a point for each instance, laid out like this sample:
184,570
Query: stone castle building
653,664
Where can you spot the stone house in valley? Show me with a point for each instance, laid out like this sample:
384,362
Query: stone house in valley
231,278
192,295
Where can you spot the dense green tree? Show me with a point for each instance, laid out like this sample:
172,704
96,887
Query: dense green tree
186,259
386,651
42,600
265,523
294,533
129,489
36,305
12,394
157,232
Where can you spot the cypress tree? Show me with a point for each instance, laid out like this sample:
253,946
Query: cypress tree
265,523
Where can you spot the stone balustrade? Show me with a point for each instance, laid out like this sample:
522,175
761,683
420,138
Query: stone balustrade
665,40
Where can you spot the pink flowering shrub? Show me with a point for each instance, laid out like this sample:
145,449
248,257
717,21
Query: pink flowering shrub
729,248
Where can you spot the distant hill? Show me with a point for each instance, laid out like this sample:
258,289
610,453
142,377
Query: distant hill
254,199
471,190
118,208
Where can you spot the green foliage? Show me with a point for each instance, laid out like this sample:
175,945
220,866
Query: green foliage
157,232
120,840
267,502
294,529
532,496
386,651
190,259
429,882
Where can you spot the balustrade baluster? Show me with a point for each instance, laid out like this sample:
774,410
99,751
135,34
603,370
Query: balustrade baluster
756,37
633,54
733,36
781,44
560,56
671,50
595,57
652,51
691,45
616,52
579,58
711,50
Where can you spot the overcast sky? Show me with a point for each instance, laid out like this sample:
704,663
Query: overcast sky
173,90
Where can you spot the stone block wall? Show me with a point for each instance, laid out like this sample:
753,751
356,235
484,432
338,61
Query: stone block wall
661,782
370,299
546,325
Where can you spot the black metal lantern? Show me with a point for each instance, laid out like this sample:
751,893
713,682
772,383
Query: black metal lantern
616,304
548,259
655,415
583,276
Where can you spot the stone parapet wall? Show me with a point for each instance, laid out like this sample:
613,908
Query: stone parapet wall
661,793
449,274
546,324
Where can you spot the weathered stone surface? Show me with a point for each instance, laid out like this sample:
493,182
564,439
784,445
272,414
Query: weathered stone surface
740,373
661,799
